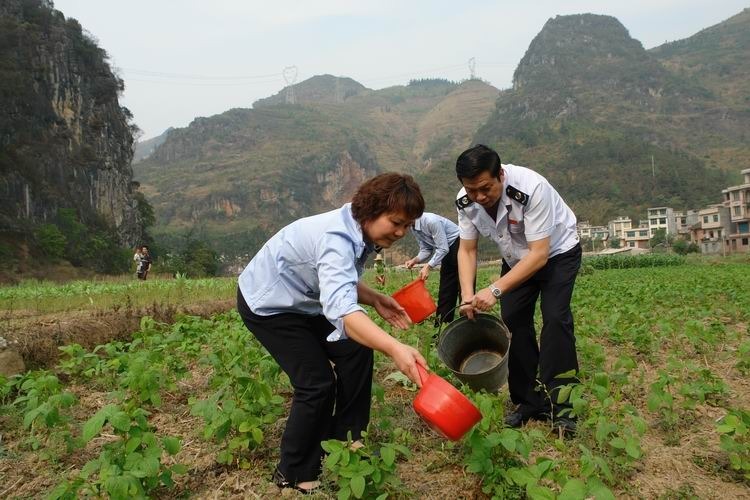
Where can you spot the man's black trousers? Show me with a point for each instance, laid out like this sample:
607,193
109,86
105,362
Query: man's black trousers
448,293
329,401
529,362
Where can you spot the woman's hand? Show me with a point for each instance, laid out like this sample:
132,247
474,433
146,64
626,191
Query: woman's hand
424,273
392,312
406,358
410,263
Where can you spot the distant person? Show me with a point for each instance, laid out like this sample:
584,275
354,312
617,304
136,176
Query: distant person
438,241
145,263
137,259
379,266
300,297
535,232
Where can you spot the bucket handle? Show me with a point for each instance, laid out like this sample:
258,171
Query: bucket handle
440,317
441,322
422,372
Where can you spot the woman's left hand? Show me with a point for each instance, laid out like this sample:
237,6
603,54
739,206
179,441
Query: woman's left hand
392,312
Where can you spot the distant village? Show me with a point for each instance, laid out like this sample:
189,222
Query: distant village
721,228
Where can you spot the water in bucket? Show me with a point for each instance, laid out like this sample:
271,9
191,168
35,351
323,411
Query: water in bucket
480,361
476,351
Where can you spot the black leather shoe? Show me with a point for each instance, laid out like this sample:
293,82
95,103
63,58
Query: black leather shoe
565,426
523,414
515,419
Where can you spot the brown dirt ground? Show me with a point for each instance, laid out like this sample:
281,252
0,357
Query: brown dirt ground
694,467
37,337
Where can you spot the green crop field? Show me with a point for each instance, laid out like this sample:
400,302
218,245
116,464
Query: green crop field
196,408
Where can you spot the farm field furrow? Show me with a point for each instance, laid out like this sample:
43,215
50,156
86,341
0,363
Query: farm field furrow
195,408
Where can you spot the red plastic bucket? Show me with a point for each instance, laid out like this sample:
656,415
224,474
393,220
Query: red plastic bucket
417,301
443,407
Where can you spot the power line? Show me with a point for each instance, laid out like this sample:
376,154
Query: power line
206,84
161,74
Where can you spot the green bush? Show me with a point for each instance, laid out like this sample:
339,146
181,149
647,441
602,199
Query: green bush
51,240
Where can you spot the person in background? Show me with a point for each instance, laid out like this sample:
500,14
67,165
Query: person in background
379,265
535,232
438,242
137,259
300,296
146,262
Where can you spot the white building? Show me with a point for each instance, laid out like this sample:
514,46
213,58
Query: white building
661,218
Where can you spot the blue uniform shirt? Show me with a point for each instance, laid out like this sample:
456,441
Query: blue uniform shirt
435,235
312,266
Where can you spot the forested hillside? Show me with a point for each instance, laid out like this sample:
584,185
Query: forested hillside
614,127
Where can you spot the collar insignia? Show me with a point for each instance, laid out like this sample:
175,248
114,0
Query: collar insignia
517,195
463,202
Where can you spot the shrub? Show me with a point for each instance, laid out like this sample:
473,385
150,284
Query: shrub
51,240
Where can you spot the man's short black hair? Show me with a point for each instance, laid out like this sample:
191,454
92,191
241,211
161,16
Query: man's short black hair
478,159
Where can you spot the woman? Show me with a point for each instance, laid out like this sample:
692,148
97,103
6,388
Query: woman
299,296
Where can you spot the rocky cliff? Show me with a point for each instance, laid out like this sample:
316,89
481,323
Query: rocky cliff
65,142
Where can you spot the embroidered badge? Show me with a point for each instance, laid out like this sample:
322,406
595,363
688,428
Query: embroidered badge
517,195
463,202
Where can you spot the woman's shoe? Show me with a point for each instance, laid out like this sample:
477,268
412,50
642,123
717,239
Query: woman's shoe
280,481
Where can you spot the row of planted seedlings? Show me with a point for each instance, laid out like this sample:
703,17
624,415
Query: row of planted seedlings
242,402
130,457
679,328
508,463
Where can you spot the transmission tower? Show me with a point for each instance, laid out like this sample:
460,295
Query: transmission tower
290,77
472,69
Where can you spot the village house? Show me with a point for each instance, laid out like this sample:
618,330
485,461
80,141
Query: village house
737,203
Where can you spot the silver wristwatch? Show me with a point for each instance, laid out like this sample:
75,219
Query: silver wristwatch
496,292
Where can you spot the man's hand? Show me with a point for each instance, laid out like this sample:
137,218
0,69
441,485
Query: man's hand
392,312
484,300
410,263
424,273
466,308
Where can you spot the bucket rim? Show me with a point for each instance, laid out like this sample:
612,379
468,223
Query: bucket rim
464,319
408,286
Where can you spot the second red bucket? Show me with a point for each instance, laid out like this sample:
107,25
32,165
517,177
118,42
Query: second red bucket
417,301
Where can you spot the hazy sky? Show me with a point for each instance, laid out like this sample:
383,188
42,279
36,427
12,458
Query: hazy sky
189,58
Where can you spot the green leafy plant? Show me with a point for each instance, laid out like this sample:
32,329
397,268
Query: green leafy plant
734,429
130,466
365,472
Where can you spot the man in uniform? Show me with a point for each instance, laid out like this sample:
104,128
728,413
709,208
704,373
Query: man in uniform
438,241
536,234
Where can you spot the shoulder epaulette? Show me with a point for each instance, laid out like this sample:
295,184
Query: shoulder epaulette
517,195
463,202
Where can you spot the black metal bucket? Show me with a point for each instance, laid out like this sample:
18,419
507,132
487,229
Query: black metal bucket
477,351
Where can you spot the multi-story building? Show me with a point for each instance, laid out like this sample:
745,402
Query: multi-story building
583,228
737,203
617,228
637,237
599,233
713,225
682,228
592,234
661,218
